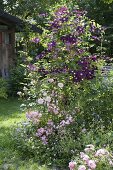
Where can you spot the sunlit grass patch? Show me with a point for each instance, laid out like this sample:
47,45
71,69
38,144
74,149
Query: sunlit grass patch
10,115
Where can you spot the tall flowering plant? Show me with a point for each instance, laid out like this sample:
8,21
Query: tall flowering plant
63,67
59,76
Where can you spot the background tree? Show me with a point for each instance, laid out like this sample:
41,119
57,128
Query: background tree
102,13
1,4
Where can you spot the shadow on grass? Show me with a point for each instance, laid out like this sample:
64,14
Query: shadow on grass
10,159
9,108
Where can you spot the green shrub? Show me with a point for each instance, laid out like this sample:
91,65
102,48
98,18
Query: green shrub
3,88
93,158
16,80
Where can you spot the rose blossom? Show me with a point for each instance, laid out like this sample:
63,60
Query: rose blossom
86,158
101,152
72,165
60,85
81,167
92,164
111,162
82,154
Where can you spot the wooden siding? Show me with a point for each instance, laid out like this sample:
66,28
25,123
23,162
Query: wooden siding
7,52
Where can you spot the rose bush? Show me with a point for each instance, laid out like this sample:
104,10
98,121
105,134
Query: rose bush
93,159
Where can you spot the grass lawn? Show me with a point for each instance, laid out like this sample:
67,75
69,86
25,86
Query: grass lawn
10,159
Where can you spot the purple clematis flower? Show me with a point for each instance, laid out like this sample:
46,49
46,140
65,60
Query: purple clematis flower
69,39
35,40
51,45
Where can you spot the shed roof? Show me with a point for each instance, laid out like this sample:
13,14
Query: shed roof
12,20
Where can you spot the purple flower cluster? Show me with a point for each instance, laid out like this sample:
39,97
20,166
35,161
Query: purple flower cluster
81,75
41,55
84,63
72,43
43,72
94,37
69,39
92,27
80,30
61,11
52,108
59,70
61,16
35,40
86,71
32,67
66,122
51,45
34,116
43,15
79,13
43,133
55,24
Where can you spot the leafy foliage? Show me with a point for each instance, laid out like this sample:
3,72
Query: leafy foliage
66,88
3,88
102,13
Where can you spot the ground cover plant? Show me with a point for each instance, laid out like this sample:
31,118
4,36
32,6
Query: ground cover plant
68,98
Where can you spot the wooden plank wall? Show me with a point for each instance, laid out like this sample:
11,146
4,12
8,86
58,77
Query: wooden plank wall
7,54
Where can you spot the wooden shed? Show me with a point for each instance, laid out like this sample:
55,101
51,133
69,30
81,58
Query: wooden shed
8,26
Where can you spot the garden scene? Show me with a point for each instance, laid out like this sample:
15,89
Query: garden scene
56,85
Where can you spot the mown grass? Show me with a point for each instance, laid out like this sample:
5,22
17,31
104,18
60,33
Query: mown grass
10,159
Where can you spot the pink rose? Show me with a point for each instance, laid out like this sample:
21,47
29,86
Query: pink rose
81,167
72,165
86,158
101,152
111,163
92,164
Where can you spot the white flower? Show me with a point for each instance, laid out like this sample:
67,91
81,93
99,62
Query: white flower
40,101
111,162
48,99
50,80
89,148
25,88
19,93
81,167
44,93
33,82
60,85
22,105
